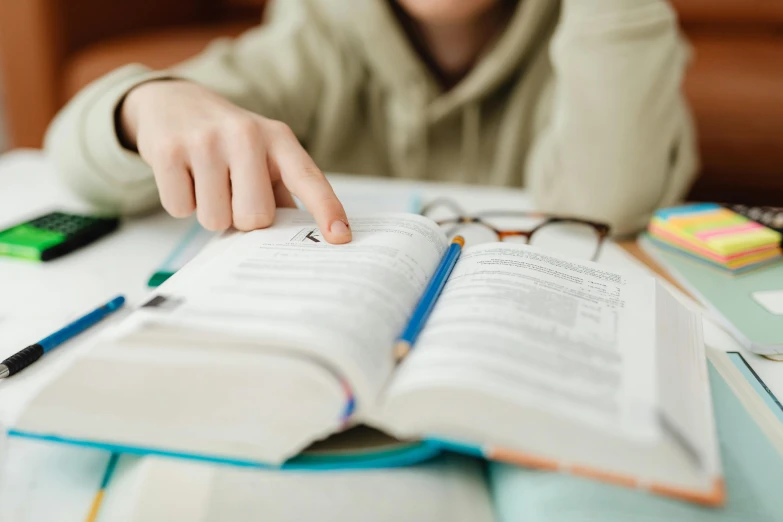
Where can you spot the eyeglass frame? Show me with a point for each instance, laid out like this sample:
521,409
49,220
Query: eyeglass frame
463,218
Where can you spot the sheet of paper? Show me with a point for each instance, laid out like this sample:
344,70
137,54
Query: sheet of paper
771,300
288,287
577,338
43,481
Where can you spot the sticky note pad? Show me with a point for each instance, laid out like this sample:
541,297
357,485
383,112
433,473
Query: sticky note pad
717,235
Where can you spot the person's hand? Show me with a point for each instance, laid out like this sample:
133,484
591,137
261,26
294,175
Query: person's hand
232,166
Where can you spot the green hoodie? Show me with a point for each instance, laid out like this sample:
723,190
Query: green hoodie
579,101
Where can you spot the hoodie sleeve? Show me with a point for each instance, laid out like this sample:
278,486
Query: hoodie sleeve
263,71
617,140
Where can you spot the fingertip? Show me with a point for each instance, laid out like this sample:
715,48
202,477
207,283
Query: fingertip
339,240
339,232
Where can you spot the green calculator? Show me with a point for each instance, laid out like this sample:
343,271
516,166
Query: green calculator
53,235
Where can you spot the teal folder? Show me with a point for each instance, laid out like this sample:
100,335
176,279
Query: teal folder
753,469
733,298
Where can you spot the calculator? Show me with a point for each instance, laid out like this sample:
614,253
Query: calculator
53,235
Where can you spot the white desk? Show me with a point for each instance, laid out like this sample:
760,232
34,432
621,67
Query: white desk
37,298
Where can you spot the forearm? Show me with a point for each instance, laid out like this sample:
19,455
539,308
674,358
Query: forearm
263,71
618,140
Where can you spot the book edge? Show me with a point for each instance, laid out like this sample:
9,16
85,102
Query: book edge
713,497
397,457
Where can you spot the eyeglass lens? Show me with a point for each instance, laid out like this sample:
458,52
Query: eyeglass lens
571,239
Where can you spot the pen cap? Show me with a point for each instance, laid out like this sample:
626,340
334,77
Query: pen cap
115,303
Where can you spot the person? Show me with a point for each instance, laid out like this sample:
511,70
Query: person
579,101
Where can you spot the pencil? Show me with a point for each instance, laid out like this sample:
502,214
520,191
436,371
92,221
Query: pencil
98,500
24,358
427,302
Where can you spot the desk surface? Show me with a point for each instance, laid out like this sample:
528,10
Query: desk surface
37,298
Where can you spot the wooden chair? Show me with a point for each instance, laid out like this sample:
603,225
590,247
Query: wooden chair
50,49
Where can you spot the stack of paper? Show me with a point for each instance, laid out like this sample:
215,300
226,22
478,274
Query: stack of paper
716,235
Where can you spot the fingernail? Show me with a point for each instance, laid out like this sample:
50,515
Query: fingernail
339,228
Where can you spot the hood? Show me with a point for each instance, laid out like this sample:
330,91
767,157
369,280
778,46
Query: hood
373,26
415,97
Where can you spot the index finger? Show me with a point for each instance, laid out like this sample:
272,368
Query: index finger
306,181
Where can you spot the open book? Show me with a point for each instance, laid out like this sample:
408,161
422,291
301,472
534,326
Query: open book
271,340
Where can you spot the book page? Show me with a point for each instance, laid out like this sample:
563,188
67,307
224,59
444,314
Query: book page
287,288
265,343
686,412
450,488
566,337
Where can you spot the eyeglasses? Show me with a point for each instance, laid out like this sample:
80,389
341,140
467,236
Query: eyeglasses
569,236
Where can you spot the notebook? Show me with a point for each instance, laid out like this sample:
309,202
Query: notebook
750,306
269,341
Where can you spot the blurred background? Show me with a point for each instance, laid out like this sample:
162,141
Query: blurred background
3,132
49,49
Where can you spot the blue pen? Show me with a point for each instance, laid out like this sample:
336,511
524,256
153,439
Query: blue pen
428,299
32,353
